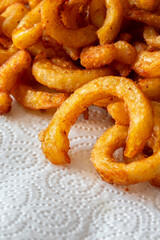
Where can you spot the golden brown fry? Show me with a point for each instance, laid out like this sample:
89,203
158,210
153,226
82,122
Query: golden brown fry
9,73
29,30
48,42
126,53
147,64
5,103
122,173
120,115
74,38
145,4
151,37
55,143
10,70
111,26
143,16
154,141
151,87
98,56
13,14
97,12
68,80
33,99
6,3
72,12
59,32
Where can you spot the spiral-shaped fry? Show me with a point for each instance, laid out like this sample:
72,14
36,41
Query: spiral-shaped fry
55,143
75,38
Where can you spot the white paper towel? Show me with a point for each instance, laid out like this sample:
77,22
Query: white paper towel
41,201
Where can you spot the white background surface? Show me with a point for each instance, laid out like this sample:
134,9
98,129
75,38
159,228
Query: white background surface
41,201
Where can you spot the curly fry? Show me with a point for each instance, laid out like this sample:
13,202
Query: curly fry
151,88
147,64
68,80
143,16
55,143
71,13
57,31
121,173
13,14
145,4
126,53
10,70
29,30
112,23
94,57
97,12
120,114
33,99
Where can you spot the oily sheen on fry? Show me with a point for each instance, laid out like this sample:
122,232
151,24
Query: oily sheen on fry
55,142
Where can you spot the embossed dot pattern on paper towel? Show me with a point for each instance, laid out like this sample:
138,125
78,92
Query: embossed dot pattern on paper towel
41,201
